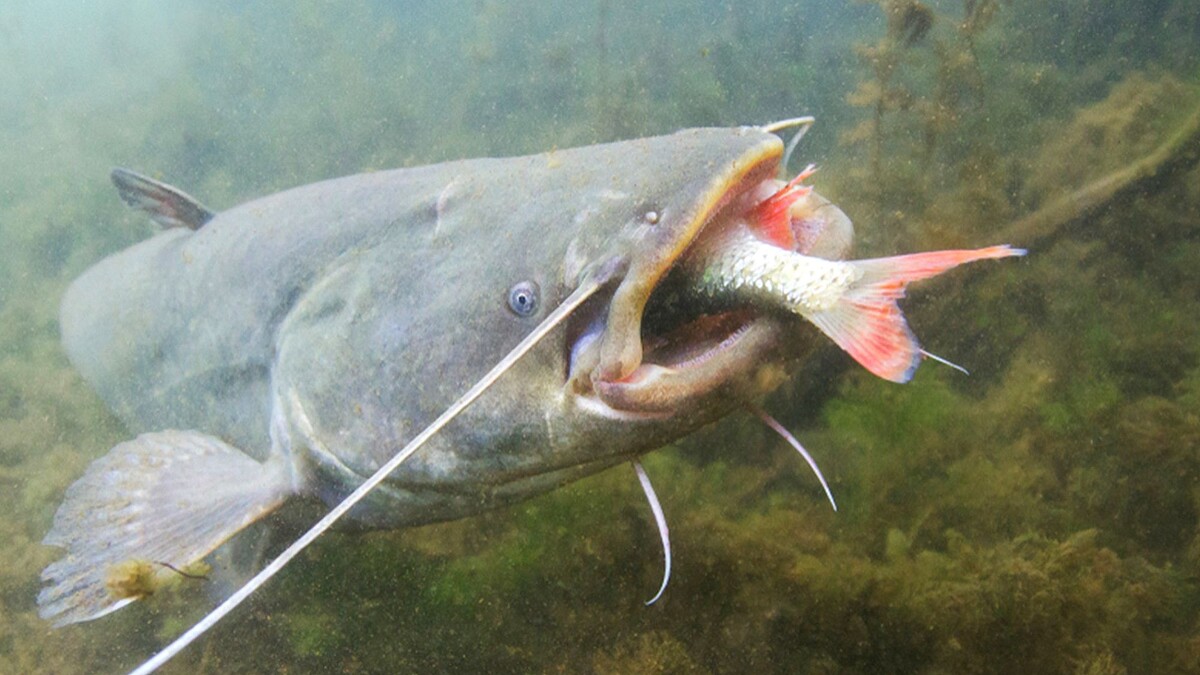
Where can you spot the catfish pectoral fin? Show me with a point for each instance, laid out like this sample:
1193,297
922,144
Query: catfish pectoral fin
148,509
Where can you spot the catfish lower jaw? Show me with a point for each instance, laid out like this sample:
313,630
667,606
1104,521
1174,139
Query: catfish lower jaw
723,363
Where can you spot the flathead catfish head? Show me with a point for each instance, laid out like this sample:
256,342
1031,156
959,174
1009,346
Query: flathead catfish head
394,329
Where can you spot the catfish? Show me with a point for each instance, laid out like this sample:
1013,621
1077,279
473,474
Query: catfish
423,344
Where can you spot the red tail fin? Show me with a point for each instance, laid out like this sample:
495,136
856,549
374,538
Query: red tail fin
867,322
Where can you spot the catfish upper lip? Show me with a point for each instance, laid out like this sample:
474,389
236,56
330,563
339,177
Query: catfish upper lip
620,349
705,351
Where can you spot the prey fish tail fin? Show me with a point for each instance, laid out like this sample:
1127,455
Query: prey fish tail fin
145,513
866,321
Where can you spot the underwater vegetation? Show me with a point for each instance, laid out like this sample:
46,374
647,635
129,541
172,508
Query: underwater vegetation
1041,515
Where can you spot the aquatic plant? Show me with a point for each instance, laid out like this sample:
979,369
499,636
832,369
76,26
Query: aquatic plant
929,139
908,22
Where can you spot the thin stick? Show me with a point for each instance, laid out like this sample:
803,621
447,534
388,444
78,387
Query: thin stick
557,316
185,575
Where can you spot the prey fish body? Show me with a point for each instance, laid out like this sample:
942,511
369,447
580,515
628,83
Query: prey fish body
748,269
752,260
852,302
307,343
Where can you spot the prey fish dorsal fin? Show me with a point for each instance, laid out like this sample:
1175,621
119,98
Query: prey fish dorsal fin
166,205
773,217
866,321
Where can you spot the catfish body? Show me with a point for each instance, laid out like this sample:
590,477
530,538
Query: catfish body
291,346
355,310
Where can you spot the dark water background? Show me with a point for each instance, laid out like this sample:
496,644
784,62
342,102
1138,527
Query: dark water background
1038,516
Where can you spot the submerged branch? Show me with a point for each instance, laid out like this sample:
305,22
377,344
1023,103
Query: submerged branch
1179,153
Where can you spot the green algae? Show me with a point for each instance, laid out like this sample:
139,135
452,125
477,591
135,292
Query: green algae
1039,516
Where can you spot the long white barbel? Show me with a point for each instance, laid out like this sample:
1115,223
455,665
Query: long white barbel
803,123
573,301
795,443
660,521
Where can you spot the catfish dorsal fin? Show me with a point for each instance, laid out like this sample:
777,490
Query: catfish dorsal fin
168,206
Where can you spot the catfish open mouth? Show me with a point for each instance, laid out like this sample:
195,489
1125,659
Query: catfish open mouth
689,345
664,342
692,343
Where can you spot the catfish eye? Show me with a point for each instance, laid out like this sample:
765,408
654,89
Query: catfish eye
523,298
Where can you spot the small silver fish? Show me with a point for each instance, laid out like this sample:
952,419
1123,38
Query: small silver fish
752,260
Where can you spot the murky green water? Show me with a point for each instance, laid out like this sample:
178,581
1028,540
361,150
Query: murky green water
1037,516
